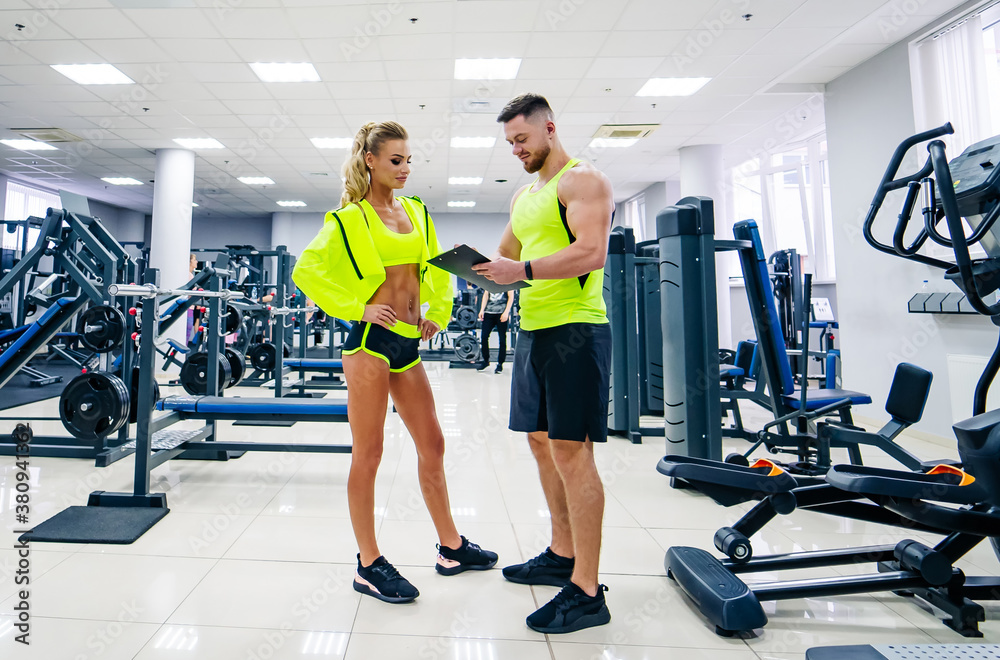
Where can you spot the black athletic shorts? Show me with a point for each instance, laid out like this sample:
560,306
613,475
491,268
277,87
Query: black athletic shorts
561,380
399,352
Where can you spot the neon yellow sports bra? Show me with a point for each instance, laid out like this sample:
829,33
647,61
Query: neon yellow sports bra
393,248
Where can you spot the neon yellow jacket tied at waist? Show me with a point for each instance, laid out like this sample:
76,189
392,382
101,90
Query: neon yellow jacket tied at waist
340,270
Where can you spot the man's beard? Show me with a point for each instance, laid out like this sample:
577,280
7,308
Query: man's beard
535,162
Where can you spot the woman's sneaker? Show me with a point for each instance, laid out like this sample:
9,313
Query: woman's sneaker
571,610
384,582
468,557
547,568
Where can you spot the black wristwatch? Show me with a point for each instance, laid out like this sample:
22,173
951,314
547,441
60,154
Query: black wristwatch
527,271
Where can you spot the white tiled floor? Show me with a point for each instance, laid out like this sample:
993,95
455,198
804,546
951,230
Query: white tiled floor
256,558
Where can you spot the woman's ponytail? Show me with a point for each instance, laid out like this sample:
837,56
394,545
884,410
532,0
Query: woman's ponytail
369,139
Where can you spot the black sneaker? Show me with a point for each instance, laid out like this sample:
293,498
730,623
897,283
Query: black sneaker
482,366
547,568
571,610
384,582
499,369
469,557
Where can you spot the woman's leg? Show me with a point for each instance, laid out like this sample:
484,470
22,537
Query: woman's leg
502,333
411,394
489,322
367,399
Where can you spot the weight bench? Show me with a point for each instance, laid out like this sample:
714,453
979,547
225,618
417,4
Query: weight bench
315,364
255,408
170,354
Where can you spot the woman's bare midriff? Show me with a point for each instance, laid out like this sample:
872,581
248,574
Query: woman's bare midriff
401,291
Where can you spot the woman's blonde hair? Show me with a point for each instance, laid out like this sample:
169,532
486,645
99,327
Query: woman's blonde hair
369,139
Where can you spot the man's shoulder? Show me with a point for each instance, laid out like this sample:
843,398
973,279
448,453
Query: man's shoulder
582,177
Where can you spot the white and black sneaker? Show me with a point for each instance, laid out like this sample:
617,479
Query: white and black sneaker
381,580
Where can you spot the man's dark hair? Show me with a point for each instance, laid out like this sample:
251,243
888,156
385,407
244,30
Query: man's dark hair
528,105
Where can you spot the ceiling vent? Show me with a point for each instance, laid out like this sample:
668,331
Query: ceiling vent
625,131
47,134
479,106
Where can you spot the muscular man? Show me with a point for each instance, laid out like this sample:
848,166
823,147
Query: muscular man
557,238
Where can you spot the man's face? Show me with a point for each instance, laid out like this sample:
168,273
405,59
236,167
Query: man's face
529,140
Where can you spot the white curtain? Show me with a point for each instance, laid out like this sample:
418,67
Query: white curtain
23,202
950,84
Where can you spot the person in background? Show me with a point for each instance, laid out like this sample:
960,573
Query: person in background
495,313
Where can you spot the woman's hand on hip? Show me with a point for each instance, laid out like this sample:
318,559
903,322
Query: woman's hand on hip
382,315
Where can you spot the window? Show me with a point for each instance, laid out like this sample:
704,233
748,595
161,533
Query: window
791,206
23,202
635,217
956,78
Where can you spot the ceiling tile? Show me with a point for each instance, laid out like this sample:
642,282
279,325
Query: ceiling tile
98,24
660,15
200,50
171,23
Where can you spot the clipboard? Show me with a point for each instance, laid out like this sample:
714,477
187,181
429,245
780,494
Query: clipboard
459,261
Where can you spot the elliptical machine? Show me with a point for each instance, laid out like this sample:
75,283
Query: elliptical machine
963,504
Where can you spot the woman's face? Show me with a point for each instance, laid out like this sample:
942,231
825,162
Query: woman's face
193,262
391,166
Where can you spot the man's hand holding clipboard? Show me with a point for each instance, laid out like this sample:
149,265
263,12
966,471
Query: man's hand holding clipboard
494,276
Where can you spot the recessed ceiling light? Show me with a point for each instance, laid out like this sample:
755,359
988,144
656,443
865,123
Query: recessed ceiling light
199,143
487,69
121,181
195,204
292,203
93,74
605,143
256,180
285,71
461,205
473,142
29,145
465,180
332,143
672,86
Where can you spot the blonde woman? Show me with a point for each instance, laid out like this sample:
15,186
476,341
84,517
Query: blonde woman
369,265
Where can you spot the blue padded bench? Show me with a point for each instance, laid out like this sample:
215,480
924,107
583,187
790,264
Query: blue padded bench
256,408
315,363
30,331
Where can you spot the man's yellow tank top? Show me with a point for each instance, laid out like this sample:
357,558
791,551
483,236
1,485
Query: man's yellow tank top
538,220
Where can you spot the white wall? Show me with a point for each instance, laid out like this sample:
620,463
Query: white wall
479,230
869,110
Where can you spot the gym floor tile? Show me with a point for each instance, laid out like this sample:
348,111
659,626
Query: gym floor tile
176,642
797,625
182,534
76,639
41,562
412,543
570,651
307,496
474,604
274,595
107,587
366,647
296,539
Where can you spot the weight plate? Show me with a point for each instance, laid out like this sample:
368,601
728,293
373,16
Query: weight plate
467,348
263,356
194,374
94,405
237,364
101,328
466,318
232,320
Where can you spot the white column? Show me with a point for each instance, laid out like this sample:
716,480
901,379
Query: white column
281,229
170,236
702,175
